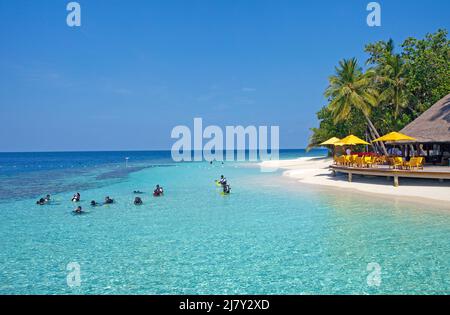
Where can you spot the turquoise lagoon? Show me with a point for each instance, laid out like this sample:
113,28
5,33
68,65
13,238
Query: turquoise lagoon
269,236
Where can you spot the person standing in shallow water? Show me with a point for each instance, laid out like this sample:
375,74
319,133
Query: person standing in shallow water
159,191
76,197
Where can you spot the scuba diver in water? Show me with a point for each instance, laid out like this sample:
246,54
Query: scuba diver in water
43,201
138,201
94,203
76,197
222,181
78,210
226,189
138,192
159,191
108,200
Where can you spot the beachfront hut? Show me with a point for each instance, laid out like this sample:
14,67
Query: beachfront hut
432,133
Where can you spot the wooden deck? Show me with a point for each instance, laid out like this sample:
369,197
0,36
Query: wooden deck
429,172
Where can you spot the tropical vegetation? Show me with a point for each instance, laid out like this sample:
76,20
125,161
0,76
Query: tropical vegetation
386,93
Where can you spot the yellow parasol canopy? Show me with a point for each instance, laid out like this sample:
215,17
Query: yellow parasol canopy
351,140
330,141
395,136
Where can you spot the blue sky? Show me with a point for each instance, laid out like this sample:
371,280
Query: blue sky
135,69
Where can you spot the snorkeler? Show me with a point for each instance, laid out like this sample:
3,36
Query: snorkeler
158,191
109,200
43,201
94,203
78,210
138,201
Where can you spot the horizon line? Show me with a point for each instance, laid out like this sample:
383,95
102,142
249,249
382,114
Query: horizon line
132,150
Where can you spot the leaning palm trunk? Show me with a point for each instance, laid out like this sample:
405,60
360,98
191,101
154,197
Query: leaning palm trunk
372,137
371,126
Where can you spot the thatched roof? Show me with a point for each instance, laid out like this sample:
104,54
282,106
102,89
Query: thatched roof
433,125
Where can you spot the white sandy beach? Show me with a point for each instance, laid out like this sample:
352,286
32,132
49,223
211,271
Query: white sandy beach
315,171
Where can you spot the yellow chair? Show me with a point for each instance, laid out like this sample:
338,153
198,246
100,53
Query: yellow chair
409,164
392,162
415,162
359,162
354,156
348,160
380,160
398,162
368,161
339,160
420,162
336,160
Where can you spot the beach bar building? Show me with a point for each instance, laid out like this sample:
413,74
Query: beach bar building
431,134
432,131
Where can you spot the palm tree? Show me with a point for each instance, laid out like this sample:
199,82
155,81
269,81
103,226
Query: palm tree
351,89
392,72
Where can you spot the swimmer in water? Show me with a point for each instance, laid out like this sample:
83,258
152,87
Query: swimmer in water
108,200
94,203
138,201
78,210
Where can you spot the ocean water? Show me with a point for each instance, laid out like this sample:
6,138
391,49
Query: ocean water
268,237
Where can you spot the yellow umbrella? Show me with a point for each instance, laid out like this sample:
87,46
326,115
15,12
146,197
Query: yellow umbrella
330,141
395,136
351,140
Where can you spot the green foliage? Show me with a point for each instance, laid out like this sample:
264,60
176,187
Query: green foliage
350,89
392,92
428,62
